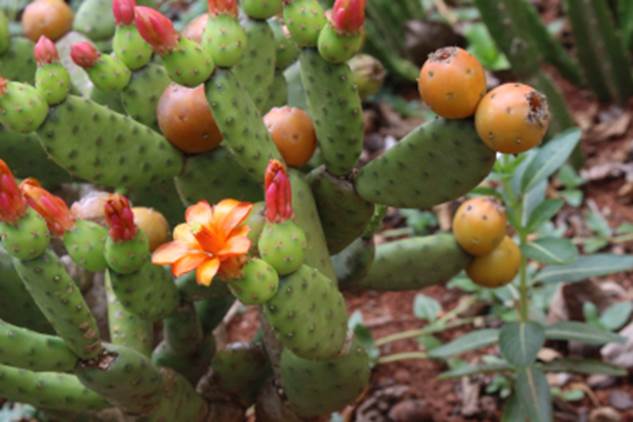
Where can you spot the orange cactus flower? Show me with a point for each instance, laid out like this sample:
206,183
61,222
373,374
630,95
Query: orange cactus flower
52,208
212,241
12,203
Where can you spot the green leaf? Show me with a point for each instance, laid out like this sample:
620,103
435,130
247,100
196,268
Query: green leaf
616,315
599,224
532,199
625,228
585,267
572,197
551,250
471,341
583,366
591,314
544,212
520,342
517,174
364,336
533,392
550,158
569,177
594,244
584,333
426,308
512,410
468,370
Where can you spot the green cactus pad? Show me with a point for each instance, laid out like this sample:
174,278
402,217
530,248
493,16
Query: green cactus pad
413,264
140,97
61,302
307,217
16,304
22,109
179,400
255,223
95,19
435,163
192,291
239,121
53,82
5,34
149,293
127,256
130,47
23,348
278,96
121,151
258,283
48,390
124,377
127,329
188,64
192,365
287,50
240,370
85,244
211,311
109,99
338,48
256,69
336,109
216,175
304,19
17,63
316,388
109,73
343,213
283,246
261,9
224,39
353,263
28,238
182,330
308,314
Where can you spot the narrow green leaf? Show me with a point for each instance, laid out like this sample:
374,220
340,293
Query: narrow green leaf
585,267
551,250
520,342
471,341
569,177
572,197
616,315
550,158
468,370
532,199
584,333
583,366
512,410
599,224
544,212
426,308
533,392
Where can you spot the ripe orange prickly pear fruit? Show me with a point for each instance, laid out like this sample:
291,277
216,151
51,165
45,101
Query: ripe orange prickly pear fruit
186,120
153,224
497,268
452,82
293,132
512,118
479,225
52,18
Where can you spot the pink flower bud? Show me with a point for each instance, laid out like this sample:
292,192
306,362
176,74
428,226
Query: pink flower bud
120,218
3,85
348,16
278,193
156,29
123,11
84,54
45,51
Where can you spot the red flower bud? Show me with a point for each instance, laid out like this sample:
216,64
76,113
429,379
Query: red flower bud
45,51
52,208
3,85
123,11
12,203
156,29
120,218
223,7
348,16
278,193
84,54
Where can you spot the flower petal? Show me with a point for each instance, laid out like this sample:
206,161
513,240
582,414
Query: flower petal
242,230
168,253
222,209
184,233
206,271
210,239
200,213
188,263
236,216
238,245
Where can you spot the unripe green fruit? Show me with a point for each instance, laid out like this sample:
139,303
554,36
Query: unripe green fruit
22,108
338,48
188,64
130,47
128,256
305,19
225,40
368,73
53,82
109,73
85,244
258,283
261,9
28,238
283,246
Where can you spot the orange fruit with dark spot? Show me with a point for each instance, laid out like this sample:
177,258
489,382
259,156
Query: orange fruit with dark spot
194,29
293,132
512,118
52,18
186,120
452,82
497,268
153,224
479,225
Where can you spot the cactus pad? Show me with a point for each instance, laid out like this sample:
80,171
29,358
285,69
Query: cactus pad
283,246
130,47
140,97
127,256
17,63
304,19
261,9
338,48
258,283
353,263
22,109
85,244
28,238
53,82
225,40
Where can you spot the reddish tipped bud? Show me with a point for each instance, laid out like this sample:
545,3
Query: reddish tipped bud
52,208
12,202
84,54
3,85
156,29
123,11
120,218
348,16
223,7
45,51
278,193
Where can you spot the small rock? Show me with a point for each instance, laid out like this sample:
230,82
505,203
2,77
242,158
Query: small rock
620,400
620,354
601,381
558,379
605,414
410,411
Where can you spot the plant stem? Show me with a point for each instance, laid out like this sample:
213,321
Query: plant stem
429,329
523,286
402,356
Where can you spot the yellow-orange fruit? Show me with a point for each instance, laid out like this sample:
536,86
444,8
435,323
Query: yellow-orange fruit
186,120
512,118
153,224
293,132
52,18
497,268
195,28
479,225
452,82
